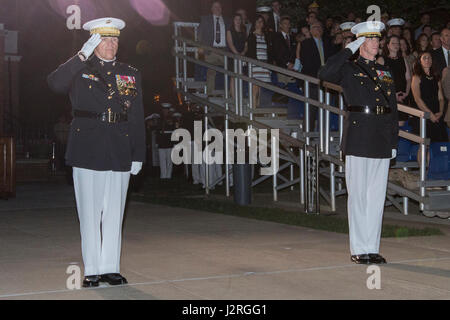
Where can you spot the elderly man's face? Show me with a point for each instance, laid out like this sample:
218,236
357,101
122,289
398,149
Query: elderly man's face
107,49
316,30
216,9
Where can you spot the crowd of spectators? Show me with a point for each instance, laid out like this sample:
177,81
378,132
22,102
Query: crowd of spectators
417,56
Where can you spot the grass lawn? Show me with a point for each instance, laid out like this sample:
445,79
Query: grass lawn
179,193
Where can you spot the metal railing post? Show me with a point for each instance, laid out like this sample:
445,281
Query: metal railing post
236,88
423,158
307,129
241,93
320,120
227,148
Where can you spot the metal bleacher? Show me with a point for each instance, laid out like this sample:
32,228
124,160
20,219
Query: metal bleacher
410,179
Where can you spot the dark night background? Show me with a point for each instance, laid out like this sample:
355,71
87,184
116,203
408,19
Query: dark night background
45,42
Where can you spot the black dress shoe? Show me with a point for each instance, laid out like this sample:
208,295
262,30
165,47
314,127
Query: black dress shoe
376,258
113,279
91,281
360,258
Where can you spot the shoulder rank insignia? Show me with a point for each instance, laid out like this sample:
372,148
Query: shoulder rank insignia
360,75
133,68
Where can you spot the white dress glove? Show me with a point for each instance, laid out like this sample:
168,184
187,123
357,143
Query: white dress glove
354,45
90,45
298,65
135,168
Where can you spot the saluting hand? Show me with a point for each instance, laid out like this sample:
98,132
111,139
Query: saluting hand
354,45
89,46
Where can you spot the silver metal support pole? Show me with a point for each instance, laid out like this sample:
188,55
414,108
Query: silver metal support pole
241,93
236,88
227,149
302,176
250,91
206,150
184,67
327,125
317,200
332,187
423,159
307,112
306,178
321,131
405,201
177,60
274,160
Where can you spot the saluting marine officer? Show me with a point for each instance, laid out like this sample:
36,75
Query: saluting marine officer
106,143
370,136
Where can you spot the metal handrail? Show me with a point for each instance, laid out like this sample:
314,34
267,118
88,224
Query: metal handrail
180,52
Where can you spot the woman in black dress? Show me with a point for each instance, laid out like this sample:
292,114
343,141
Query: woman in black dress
392,57
428,97
236,41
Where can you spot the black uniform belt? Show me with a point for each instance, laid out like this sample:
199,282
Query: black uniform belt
369,110
107,116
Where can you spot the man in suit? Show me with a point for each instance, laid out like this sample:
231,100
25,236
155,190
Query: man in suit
441,55
314,53
284,49
275,17
212,32
370,136
441,58
106,144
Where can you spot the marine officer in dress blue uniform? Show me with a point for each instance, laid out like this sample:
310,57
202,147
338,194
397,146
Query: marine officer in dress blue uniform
106,144
370,136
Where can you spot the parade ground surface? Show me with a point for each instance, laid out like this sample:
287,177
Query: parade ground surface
175,253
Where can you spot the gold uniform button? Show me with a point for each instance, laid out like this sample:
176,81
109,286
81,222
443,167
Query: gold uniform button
109,98
377,99
78,129
377,88
109,85
374,78
362,82
354,122
90,87
109,73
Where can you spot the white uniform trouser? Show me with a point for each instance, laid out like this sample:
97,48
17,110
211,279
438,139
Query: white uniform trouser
100,197
165,163
366,180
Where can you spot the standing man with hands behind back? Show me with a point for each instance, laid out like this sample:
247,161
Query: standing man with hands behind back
370,136
106,144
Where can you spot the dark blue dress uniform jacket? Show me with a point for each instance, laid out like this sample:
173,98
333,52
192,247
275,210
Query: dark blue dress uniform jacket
94,144
365,135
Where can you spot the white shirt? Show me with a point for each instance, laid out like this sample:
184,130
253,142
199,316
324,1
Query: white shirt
446,53
223,42
276,18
